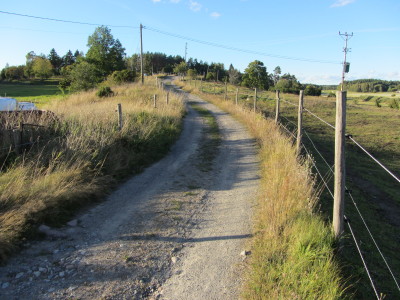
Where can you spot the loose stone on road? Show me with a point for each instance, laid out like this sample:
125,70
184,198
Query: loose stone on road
175,231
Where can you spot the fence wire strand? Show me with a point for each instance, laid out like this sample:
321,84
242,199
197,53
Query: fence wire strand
347,221
371,156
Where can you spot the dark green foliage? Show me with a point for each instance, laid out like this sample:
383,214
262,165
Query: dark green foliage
123,76
68,59
312,90
84,76
181,69
56,61
394,104
13,73
64,84
372,85
104,91
288,84
234,75
106,53
256,76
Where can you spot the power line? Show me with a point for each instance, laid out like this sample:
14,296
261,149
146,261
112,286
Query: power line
66,21
239,49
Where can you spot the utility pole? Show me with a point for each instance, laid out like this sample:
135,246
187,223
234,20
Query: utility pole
185,52
346,66
141,53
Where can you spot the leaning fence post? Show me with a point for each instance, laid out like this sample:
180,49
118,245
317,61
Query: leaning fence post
120,121
300,122
277,106
340,171
255,99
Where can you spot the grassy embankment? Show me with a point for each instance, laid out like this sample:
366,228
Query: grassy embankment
83,156
292,254
376,193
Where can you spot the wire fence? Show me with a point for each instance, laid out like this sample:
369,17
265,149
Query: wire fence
326,184
325,179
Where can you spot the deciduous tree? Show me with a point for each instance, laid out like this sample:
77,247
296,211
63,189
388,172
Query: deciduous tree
256,76
105,52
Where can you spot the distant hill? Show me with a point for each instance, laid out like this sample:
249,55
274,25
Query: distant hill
367,86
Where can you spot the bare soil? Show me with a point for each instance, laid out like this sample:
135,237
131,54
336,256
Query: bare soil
176,231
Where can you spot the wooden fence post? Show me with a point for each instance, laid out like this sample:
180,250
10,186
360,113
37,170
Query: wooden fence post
17,137
120,121
167,98
300,122
226,90
340,171
237,96
155,100
201,84
255,99
278,100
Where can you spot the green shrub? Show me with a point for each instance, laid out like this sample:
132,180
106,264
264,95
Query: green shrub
104,91
378,102
394,104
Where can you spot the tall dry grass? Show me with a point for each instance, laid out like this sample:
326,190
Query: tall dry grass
83,155
292,252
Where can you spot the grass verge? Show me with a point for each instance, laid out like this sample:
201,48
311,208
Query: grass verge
82,156
293,245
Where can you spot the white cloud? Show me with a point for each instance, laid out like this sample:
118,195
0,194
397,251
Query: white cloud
340,3
155,1
195,6
215,15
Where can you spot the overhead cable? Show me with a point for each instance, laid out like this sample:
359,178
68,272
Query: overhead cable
239,49
66,21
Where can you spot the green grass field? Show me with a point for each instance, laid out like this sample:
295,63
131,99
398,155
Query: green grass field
37,92
376,193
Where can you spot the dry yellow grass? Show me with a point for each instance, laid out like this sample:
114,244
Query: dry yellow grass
292,255
83,155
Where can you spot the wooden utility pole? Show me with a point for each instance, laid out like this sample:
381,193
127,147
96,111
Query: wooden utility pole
255,99
346,65
340,171
141,53
120,121
237,96
300,122
278,100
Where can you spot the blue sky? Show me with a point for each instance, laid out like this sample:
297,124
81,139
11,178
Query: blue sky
305,29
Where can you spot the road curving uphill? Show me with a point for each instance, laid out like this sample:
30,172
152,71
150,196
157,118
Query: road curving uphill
176,231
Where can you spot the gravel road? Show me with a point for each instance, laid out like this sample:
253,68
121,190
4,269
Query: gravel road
176,231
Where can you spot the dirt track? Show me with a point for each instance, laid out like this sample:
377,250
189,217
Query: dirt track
176,231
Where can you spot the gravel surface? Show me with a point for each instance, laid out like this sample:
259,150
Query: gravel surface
173,232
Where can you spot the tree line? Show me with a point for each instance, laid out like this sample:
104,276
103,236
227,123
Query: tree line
372,85
106,60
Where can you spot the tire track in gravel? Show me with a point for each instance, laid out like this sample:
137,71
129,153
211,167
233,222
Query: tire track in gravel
173,232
